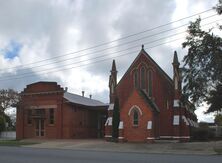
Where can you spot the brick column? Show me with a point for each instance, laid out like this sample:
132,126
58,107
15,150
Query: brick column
121,132
150,132
108,124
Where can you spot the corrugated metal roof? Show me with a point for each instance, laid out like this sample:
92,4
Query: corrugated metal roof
74,98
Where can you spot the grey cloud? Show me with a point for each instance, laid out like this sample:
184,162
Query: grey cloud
30,22
18,82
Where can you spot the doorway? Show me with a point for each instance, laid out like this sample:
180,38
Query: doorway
39,128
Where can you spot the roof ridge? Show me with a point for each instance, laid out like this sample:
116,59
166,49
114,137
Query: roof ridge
150,101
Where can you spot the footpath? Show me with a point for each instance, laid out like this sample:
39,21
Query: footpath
160,147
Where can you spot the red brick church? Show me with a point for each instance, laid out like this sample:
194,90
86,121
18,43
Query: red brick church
150,102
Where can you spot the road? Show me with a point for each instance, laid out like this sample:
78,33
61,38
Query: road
33,155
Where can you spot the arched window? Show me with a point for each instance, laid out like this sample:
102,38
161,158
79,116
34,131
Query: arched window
142,71
150,83
135,78
135,118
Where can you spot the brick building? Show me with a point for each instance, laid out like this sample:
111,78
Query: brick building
47,110
150,102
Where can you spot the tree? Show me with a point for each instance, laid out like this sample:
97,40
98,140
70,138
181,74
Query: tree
202,68
8,98
218,7
218,119
116,119
215,99
2,123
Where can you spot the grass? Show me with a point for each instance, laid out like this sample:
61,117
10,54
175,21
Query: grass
218,151
16,143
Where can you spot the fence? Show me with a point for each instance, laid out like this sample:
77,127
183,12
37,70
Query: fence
217,130
8,135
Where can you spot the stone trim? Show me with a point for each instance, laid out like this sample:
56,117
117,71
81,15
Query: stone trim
149,125
109,121
176,103
181,137
111,107
108,136
135,107
120,137
121,125
43,107
176,120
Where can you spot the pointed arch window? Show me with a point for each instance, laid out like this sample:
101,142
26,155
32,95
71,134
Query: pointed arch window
135,78
150,83
142,71
135,117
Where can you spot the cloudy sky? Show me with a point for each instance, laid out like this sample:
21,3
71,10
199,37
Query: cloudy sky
73,42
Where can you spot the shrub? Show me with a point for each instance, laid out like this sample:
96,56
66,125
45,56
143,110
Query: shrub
202,134
2,123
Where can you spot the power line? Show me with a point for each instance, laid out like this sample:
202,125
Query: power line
110,57
101,50
122,38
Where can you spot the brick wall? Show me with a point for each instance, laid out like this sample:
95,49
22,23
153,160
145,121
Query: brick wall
70,120
162,89
136,133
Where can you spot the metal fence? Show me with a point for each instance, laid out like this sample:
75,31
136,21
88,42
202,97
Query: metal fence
7,135
217,130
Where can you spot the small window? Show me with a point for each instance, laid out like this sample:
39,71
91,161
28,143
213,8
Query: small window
135,118
150,83
135,78
51,116
143,78
29,117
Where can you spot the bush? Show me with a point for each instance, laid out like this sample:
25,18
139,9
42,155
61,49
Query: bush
218,119
202,134
2,123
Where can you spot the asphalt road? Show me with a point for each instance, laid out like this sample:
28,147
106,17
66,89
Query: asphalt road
33,155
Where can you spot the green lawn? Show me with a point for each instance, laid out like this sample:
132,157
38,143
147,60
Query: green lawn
14,143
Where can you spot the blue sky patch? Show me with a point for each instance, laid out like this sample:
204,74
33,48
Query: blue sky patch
12,50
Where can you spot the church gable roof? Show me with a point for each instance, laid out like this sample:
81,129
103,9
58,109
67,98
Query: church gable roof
144,53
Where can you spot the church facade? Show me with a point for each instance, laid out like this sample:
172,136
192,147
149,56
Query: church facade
150,103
